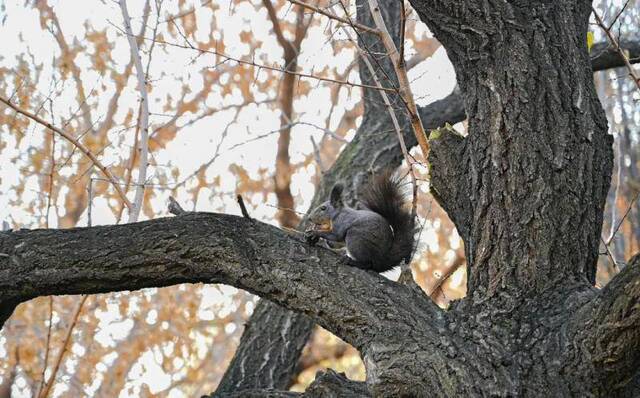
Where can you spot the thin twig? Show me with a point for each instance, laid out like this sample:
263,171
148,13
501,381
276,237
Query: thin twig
46,223
616,196
405,152
616,45
47,349
437,287
626,213
285,209
262,66
354,25
73,141
90,200
52,171
65,346
615,19
401,72
316,155
610,255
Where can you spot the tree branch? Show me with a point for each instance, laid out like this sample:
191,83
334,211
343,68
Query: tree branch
211,248
331,15
404,90
604,56
143,121
608,328
618,49
448,162
284,43
278,336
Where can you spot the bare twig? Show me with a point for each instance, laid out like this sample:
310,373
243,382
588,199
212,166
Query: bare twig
90,200
74,319
401,72
333,16
65,346
262,66
614,206
626,213
616,45
50,194
614,262
285,209
405,152
138,200
52,171
243,208
437,287
615,19
73,141
316,155
46,349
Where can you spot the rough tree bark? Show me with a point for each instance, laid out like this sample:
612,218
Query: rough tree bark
527,198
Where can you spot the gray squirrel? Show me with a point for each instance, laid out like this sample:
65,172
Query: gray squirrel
377,237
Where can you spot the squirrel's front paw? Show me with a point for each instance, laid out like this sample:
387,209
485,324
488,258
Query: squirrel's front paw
311,237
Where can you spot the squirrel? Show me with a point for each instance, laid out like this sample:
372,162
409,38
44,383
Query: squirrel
377,237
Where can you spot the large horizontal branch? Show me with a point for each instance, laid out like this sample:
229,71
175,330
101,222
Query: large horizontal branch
605,56
209,248
607,330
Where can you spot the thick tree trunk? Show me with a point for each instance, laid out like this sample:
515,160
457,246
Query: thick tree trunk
526,190
538,159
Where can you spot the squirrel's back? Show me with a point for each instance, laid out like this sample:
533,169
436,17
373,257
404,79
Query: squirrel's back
386,197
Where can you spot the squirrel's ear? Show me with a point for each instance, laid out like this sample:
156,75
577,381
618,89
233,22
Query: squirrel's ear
336,195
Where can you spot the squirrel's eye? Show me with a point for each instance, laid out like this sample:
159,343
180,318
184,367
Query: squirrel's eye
323,208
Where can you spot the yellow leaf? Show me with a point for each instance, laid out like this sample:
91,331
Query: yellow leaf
590,38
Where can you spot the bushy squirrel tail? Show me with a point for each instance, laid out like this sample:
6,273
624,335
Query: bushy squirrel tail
386,197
